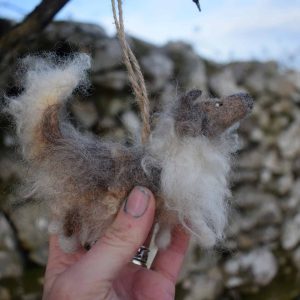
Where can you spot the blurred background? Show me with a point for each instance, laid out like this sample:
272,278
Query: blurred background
230,46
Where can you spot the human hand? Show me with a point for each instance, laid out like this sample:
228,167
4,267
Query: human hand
105,271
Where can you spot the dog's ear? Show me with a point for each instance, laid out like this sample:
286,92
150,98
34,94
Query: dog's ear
190,97
188,119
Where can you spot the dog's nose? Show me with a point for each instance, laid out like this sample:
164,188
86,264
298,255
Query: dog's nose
246,99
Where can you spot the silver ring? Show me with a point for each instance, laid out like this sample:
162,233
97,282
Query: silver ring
141,257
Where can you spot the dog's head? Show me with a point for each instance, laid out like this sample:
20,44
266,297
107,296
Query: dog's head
196,115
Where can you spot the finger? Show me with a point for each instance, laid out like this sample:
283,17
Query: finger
58,262
122,239
168,262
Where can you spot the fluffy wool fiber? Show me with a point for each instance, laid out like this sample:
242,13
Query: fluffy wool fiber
84,179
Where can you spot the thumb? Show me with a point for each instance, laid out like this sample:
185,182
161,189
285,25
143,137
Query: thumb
121,240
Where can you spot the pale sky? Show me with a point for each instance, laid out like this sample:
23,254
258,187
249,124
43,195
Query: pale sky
225,30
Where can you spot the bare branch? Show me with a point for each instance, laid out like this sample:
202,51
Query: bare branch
14,40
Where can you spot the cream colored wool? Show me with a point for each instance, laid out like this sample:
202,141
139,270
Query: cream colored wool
85,179
194,181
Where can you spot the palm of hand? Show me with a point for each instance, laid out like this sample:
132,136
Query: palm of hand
133,282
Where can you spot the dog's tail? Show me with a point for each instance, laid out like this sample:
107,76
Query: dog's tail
48,83
61,158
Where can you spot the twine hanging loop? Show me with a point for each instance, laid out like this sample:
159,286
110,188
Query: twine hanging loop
135,75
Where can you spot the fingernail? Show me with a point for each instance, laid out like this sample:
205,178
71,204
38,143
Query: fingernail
137,202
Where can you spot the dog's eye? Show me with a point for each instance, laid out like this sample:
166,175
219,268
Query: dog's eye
218,104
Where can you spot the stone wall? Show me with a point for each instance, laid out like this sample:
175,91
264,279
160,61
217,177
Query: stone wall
260,257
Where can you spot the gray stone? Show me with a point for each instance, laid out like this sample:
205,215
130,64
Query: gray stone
4,293
251,160
31,296
281,86
295,192
11,168
10,140
242,176
234,282
259,265
266,235
249,197
290,237
167,95
77,33
159,68
10,260
197,77
116,80
131,123
296,258
282,106
266,177
85,112
257,135
196,260
289,142
10,265
294,77
116,106
245,242
190,70
31,223
268,212
207,286
274,164
255,82
246,221
223,83
7,239
108,55
284,184
107,123
259,79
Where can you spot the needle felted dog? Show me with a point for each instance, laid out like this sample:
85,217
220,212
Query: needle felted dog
85,179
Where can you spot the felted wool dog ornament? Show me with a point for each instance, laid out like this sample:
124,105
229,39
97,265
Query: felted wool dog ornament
85,179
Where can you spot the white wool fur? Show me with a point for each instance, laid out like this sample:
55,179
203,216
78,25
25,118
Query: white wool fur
47,81
163,237
194,181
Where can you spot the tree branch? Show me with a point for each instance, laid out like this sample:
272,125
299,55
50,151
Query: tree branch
15,39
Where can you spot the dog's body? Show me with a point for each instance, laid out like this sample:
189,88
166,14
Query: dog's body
185,163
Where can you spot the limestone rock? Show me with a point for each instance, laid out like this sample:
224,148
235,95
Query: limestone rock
7,240
158,68
107,55
259,265
207,286
4,293
115,80
190,69
289,142
77,33
223,83
85,112
31,223
296,258
10,265
290,233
